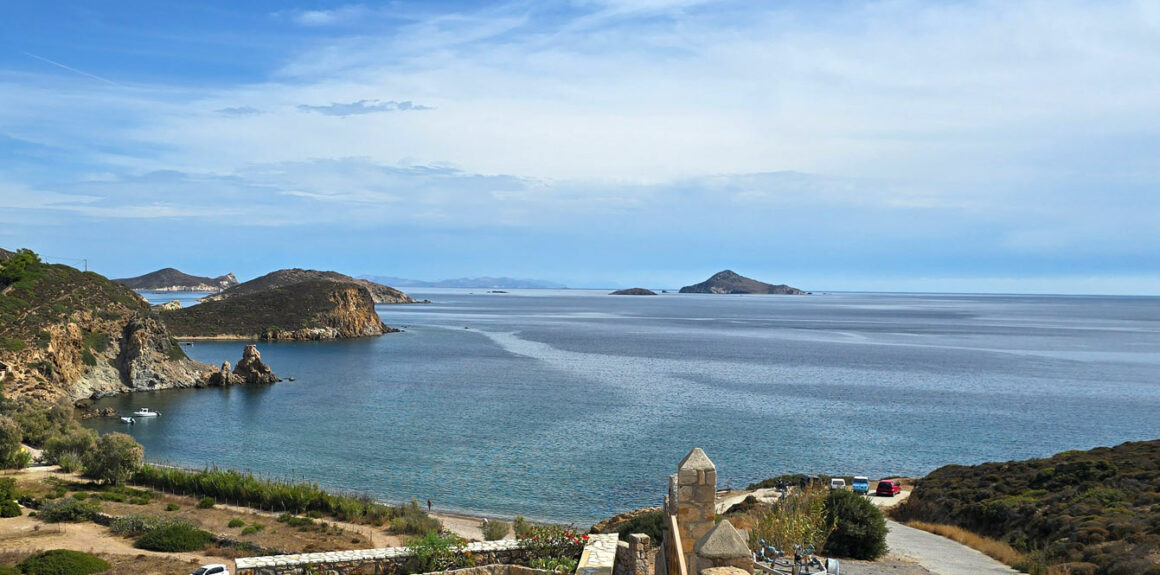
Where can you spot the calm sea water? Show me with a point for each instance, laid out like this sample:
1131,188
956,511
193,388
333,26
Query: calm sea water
573,405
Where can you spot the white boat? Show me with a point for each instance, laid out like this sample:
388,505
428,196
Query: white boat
128,420
146,412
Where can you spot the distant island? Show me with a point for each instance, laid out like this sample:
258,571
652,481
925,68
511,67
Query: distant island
282,278
170,279
729,282
634,291
478,283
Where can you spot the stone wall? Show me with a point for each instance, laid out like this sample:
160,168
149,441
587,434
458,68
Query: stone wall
385,560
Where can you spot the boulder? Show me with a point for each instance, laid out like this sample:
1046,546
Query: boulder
251,369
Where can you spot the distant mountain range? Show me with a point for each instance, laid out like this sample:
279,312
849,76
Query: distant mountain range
480,283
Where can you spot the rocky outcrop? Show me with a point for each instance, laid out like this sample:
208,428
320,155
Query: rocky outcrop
728,282
312,310
634,291
251,369
175,304
170,279
288,277
613,523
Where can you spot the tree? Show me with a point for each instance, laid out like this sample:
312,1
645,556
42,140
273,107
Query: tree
79,441
860,527
116,457
14,268
11,454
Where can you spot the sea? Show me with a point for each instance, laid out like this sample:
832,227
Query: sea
573,405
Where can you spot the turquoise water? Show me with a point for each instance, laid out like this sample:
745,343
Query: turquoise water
572,405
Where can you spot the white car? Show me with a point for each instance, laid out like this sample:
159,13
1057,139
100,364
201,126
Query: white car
214,569
837,483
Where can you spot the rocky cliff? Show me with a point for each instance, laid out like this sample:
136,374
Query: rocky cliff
67,333
170,279
309,310
728,282
249,370
283,278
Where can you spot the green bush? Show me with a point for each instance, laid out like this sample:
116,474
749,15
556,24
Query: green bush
9,509
172,507
413,520
5,570
63,562
205,503
70,462
235,523
859,527
249,531
173,538
434,552
115,458
111,496
495,530
521,526
549,541
134,525
651,524
12,344
11,435
67,509
8,489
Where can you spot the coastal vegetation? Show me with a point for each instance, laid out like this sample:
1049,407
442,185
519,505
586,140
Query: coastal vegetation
859,527
495,530
63,562
1094,511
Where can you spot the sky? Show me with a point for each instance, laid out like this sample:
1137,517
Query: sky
947,146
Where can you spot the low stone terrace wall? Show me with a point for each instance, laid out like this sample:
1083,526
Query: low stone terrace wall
382,561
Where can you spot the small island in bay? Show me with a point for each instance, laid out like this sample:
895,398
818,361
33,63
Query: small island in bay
379,293
316,309
634,291
170,279
729,282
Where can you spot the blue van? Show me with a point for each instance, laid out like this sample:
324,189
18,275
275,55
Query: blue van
861,484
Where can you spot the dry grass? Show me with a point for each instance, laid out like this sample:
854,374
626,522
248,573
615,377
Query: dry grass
996,550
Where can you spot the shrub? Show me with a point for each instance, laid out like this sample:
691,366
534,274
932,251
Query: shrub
235,523
859,527
205,503
797,519
134,525
434,552
172,507
547,541
651,524
413,520
70,461
115,458
8,489
63,562
9,509
10,437
80,496
67,509
110,496
555,564
174,537
5,570
521,526
495,530
249,531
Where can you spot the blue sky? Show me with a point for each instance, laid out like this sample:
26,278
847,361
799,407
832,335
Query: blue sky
898,146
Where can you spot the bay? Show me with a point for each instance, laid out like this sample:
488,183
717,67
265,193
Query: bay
571,405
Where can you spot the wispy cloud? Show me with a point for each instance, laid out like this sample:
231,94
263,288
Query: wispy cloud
334,17
239,111
365,107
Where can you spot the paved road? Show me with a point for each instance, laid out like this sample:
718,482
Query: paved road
939,554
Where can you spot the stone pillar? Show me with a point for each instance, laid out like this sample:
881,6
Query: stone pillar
694,489
724,546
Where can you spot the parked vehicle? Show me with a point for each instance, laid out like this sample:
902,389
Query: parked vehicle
212,569
888,488
861,484
837,483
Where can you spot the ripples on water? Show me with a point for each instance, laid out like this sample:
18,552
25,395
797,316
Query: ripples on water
573,405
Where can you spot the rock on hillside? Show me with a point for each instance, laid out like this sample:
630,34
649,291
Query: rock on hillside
634,291
728,282
282,278
308,310
71,334
170,279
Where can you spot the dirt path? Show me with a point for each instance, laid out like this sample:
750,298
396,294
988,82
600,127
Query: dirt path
939,554
28,534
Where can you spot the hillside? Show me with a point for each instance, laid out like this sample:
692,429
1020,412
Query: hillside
170,279
728,282
1097,511
307,310
71,334
282,278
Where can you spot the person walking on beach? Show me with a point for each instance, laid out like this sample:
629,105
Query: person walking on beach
428,506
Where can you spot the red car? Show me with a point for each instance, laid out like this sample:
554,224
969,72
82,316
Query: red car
888,488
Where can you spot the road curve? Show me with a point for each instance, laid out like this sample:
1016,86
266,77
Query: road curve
939,554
